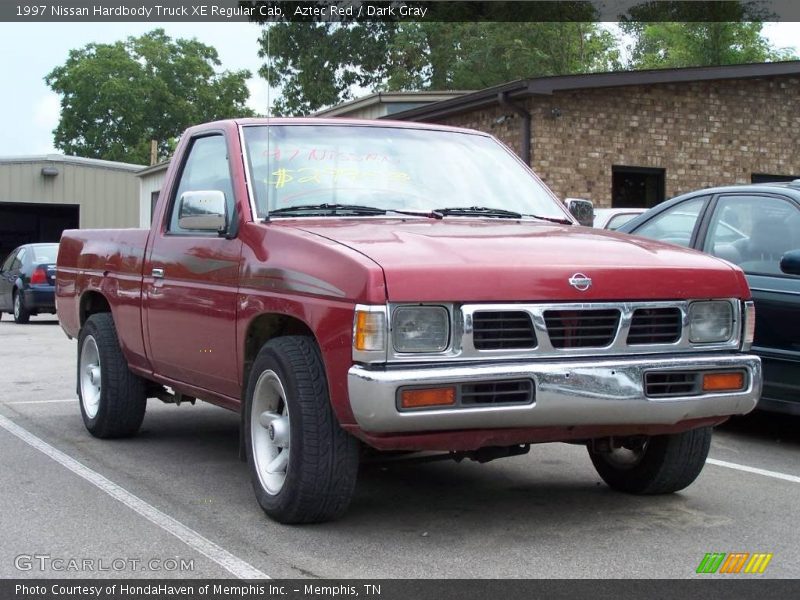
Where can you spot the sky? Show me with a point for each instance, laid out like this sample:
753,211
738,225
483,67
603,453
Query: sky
29,111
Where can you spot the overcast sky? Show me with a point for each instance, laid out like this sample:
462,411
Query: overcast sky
29,110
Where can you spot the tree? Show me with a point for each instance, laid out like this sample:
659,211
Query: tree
116,98
686,35
319,64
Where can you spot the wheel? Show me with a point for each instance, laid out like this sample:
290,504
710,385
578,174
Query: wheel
303,465
112,399
659,464
21,314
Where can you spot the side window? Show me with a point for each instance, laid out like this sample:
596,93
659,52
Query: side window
754,232
676,224
19,260
8,262
206,168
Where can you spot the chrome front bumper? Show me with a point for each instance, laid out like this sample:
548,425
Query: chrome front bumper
567,393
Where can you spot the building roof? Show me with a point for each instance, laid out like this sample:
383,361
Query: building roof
389,98
162,166
522,88
74,160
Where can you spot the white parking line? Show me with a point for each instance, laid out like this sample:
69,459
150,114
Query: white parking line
234,565
746,469
40,401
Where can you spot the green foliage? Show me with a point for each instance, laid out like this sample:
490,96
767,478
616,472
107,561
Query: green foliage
698,34
319,64
116,98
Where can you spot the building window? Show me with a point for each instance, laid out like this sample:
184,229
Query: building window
153,202
636,187
767,178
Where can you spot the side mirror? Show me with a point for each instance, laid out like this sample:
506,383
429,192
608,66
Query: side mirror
790,262
203,211
582,210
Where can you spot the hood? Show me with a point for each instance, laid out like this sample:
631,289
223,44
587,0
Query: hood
479,260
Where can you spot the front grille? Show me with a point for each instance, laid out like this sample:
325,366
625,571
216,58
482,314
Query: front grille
502,330
655,326
665,385
582,328
497,392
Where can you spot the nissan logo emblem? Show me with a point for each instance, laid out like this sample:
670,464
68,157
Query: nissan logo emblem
580,282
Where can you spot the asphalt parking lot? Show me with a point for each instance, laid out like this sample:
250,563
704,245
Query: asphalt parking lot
176,502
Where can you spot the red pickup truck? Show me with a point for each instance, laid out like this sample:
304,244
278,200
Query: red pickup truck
348,286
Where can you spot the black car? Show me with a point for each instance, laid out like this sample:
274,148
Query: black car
27,281
758,228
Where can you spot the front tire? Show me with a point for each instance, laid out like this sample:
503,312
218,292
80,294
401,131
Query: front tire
21,314
112,399
302,464
660,464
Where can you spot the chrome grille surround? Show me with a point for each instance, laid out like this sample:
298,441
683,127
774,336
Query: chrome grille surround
462,347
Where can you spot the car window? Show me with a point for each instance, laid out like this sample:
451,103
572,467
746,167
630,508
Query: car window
8,261
19,260
206,168
676,224
754,232
45,254
618,221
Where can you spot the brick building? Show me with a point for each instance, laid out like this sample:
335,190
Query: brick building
635,138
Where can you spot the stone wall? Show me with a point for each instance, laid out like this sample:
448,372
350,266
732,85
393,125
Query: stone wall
702,133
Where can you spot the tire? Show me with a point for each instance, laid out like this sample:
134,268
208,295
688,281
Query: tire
663,465
287,408
112,399
21,314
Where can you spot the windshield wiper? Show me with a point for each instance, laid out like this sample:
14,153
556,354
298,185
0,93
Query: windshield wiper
350,209
485,211
482,211
551,219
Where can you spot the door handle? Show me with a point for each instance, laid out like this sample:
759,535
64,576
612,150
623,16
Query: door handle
157,273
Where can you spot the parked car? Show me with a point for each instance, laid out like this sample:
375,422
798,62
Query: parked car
27,281
614,218
756,227
404,287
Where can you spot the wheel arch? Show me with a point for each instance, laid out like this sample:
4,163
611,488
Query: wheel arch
264,328
92,302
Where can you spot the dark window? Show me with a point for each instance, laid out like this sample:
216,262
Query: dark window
767,178
153,202
754,232
8,261
206,168
19,260
636,187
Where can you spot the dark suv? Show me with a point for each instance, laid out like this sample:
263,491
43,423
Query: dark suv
758,228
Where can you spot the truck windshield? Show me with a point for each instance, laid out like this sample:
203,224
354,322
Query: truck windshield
388,168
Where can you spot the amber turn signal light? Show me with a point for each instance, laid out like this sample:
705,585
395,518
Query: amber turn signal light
428,397
723,382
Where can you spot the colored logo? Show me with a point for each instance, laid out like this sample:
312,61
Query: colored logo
734,562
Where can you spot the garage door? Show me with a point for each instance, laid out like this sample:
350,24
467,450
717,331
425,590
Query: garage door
22,223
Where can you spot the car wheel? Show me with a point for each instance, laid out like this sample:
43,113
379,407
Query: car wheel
112,399
21,314
303,465
659,464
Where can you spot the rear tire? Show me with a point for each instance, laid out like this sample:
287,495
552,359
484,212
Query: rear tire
287,408
112,399
21,314
662,465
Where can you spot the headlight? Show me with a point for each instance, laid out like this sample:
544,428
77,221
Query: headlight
710,322
420,329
